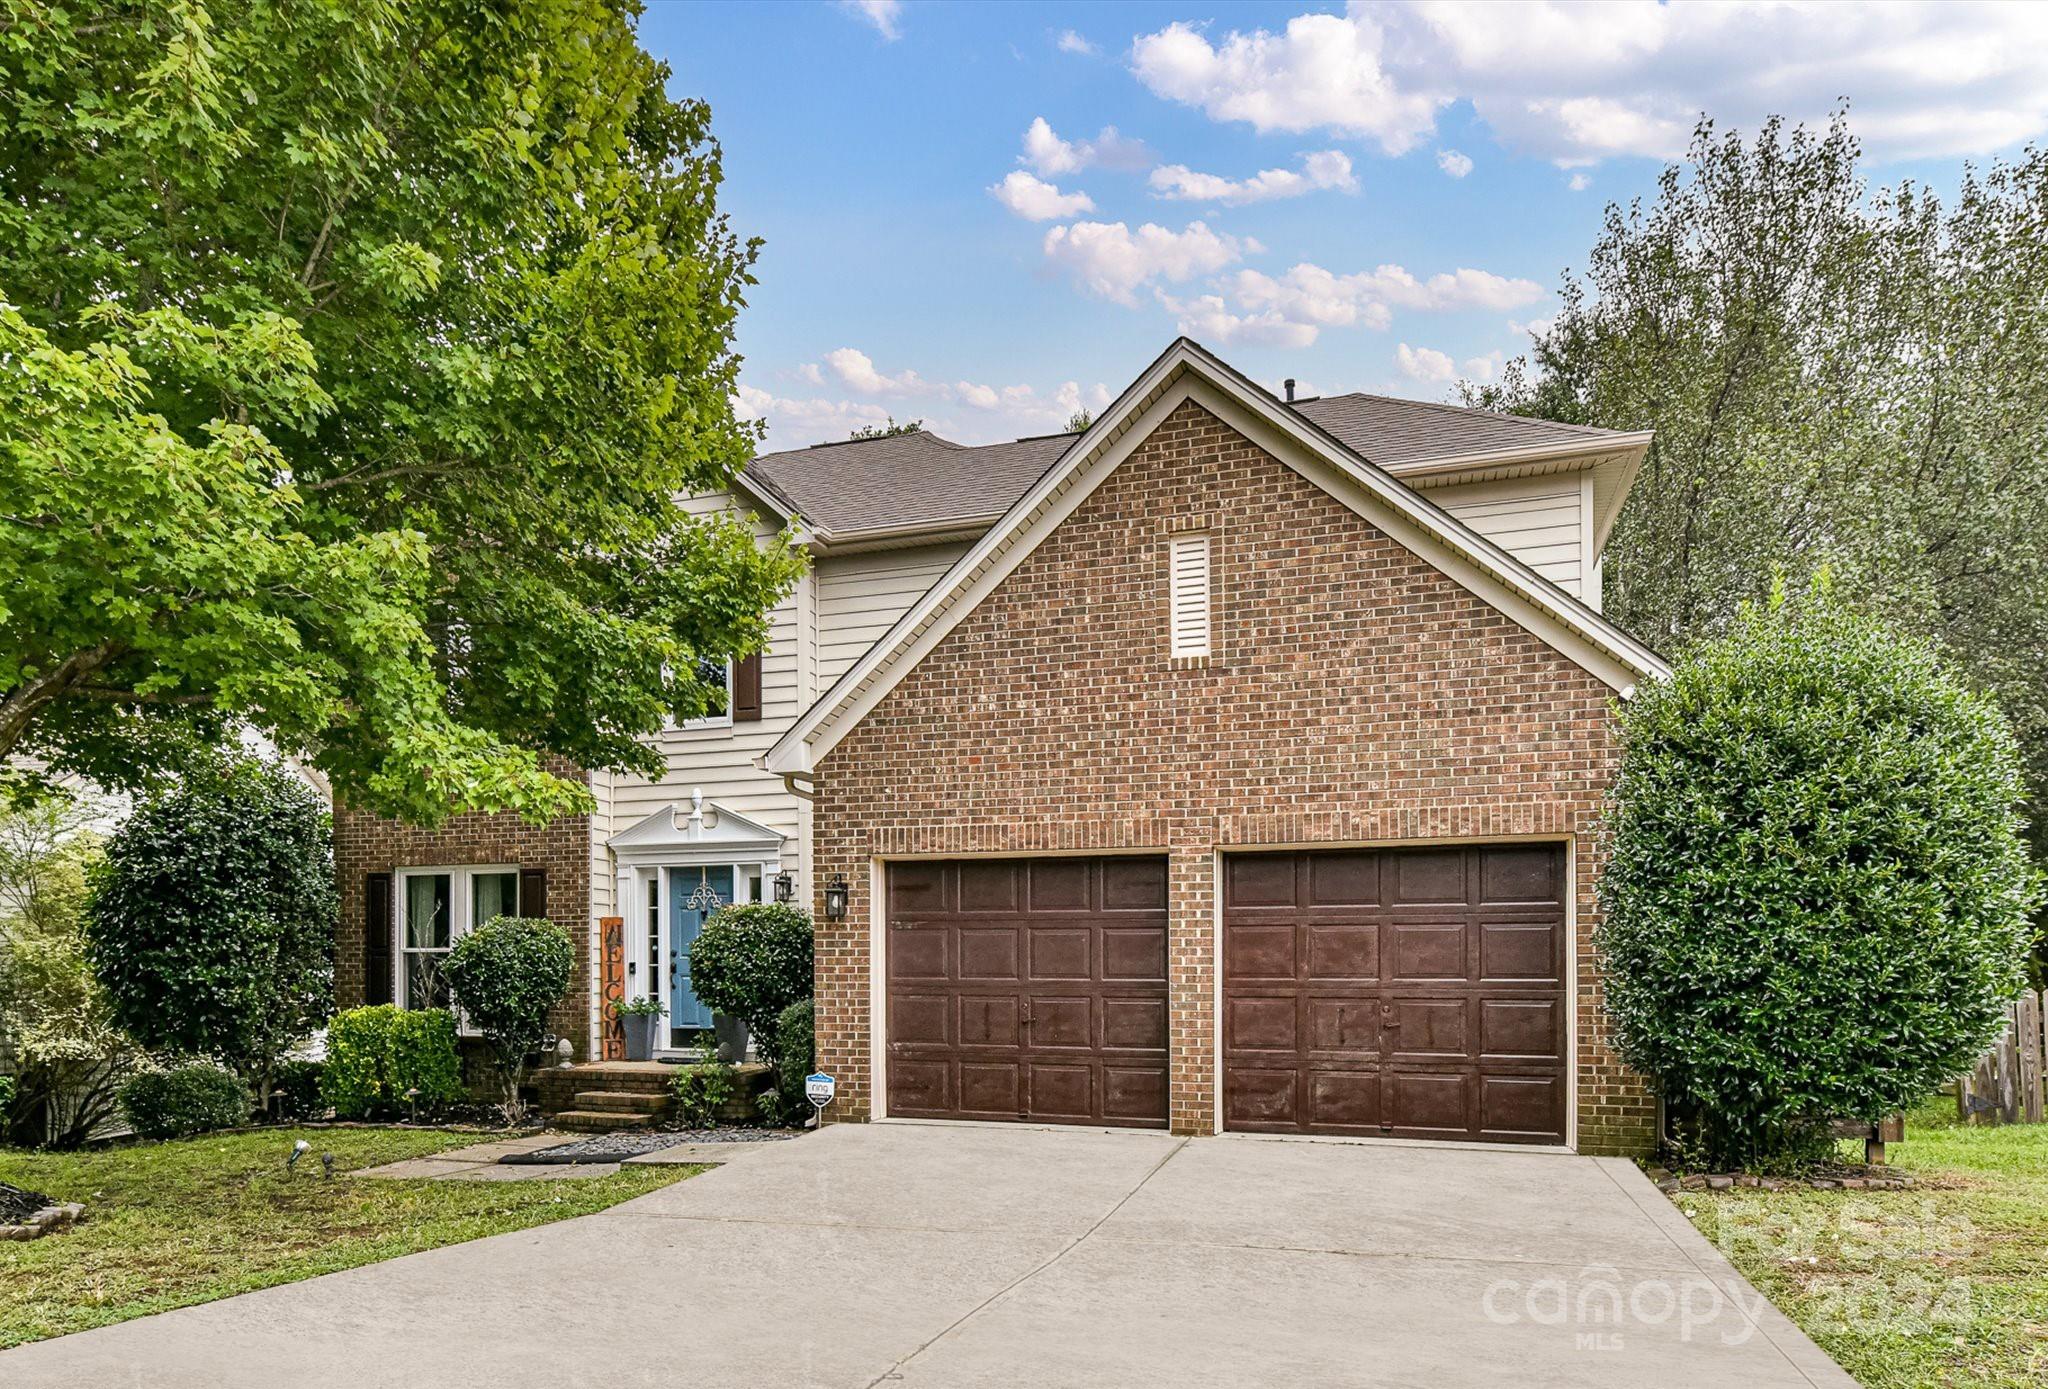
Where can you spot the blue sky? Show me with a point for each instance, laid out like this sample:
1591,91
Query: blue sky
1371,198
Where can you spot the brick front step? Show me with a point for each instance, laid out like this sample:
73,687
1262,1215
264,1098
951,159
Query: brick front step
599,1121
622,1101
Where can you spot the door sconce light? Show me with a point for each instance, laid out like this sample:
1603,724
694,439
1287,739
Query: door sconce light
785,887
835,898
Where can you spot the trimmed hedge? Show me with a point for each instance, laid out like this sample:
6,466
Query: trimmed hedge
1818,898
191,1099
374,1055
751,962
796,1054
505,976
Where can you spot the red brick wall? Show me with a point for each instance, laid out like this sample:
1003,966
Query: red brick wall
1355,695
365,843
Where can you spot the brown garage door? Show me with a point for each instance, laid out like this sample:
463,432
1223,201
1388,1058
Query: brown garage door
1028,989
1409,992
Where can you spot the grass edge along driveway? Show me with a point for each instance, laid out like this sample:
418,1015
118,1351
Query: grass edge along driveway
1943,1284
191,1220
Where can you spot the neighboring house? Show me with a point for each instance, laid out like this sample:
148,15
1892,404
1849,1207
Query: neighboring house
1234,763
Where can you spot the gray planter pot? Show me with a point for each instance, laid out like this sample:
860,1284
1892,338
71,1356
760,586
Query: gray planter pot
732,1037
640,1032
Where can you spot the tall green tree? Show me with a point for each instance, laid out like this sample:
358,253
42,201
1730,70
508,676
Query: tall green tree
1837,376
352,355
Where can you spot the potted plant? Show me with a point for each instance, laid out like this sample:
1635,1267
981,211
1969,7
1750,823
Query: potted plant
640,1017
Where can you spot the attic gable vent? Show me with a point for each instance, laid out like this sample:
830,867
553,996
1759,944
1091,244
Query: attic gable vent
1187,562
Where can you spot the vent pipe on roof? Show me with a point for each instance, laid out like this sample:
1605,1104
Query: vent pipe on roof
1290,390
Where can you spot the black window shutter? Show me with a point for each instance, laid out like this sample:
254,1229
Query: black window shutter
533,893
376,938
746,689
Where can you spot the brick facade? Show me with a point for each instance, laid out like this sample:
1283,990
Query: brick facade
1354,695
366,843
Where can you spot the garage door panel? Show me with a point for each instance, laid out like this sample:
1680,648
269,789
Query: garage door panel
1133,1094
994,1021
1134,953
1344,1027
1411,992
1062,952
1530,951
1262,1024
921,954
1426,950
1259,880
1016,993
1134,1024
1257,1099
1343,950
1521,873
989,953
1344,1101
1259,952
992,887
1133,884
921,1020
1527,1109
1521,1029
1060,884
1428,1029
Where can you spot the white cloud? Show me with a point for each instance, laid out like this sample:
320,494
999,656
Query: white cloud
1487,367
1070,399
969,412
792,422
1208,320
1291,309
1071,42
1580,82
1046,152
1579,183
1453,163
1036,200
885,15
1534,328
1425,364
857,370
1323,169
1111,260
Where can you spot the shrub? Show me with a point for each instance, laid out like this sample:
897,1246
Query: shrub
1817,901
505,975
752,961
374,1055
6,1099
295,1090
796,1052
211,922
191,1099
702,1090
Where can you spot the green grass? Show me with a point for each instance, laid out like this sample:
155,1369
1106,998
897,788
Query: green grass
171,1224
1944,1284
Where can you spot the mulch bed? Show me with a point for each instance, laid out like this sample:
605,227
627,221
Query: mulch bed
1826,1177
611,1147
16,1205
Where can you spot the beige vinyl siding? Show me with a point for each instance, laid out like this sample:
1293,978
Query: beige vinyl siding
861,596
1543,521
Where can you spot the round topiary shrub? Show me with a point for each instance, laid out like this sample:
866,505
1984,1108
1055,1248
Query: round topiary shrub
505,976
191,1099
750,962
796,1051
1817,902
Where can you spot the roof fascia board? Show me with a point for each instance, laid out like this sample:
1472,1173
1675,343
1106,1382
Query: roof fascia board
1449,552
991,560
1592,449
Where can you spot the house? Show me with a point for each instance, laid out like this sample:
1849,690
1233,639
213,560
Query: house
1232,764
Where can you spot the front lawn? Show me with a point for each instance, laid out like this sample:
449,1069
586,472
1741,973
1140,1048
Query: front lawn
1944,1284
171,1224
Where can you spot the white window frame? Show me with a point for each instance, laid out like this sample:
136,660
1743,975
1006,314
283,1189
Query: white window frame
709,720
461,907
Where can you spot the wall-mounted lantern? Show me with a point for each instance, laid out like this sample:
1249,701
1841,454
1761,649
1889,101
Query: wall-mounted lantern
835,898
785,886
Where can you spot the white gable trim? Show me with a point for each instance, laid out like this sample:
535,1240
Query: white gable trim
1187,371
707,832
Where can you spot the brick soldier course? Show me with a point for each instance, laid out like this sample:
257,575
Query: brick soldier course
1354,695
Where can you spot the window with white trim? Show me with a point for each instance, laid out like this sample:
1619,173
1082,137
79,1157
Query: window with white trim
435,907
1187,565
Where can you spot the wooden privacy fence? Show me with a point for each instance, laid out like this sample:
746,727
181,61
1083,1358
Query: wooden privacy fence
2006,1085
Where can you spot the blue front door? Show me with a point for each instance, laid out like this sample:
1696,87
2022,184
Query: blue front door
688,889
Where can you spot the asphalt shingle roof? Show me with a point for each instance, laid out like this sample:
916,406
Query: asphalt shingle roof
920,479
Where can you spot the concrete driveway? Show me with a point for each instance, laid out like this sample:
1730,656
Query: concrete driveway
929,1255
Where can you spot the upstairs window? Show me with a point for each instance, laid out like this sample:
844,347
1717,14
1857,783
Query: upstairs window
1187,564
